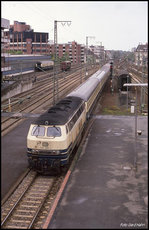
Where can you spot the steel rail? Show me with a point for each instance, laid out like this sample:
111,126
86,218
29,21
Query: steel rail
35,107
12,209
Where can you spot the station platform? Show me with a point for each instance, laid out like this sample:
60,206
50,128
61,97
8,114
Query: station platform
105,190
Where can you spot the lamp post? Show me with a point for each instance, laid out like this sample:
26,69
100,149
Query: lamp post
136,131
127,91
142,89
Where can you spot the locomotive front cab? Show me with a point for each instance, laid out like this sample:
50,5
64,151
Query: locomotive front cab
38,66
47,146
53,136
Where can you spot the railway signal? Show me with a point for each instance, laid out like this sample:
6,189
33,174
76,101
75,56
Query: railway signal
111,74
111,68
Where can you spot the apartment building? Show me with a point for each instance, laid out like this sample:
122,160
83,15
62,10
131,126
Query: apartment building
24,39
71,50
5,25
141,55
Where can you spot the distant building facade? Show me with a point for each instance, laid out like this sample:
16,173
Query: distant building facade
5,25
24,39
99,52
71,50
141,55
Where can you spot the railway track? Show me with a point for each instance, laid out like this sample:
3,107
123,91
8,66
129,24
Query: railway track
41,78
45,80
22,209
39,75
43,96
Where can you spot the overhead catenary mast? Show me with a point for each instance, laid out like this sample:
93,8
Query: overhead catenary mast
55,78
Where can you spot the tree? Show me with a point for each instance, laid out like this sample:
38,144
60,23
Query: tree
14,52
65,57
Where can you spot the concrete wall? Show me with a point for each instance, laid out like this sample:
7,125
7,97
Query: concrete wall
15,88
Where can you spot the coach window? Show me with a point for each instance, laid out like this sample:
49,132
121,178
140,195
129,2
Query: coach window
38,131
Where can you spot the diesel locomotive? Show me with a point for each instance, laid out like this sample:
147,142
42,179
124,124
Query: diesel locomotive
44,65
65,65
53,136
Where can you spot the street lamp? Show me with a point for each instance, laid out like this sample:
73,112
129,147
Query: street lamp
127,91
136,131
142,89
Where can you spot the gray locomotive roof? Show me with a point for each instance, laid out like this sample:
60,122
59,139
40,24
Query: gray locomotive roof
60,113
85,90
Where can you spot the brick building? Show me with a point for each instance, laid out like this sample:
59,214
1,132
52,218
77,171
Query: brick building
71,50
24,39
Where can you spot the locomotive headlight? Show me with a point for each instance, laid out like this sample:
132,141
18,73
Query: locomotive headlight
57,152
35,151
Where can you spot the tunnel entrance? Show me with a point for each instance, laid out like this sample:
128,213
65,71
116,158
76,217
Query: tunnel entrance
122,79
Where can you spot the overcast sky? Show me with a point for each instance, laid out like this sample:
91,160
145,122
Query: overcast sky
119,25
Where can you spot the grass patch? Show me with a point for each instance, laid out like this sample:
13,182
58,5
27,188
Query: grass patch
114,110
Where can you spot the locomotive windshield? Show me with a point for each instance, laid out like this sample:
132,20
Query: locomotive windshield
51,131
54,132
38,131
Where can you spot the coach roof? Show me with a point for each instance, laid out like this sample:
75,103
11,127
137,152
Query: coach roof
85,90
60,113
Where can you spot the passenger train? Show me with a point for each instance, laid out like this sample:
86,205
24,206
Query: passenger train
53,136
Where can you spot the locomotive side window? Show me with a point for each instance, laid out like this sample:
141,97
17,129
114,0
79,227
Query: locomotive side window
38,131
75,118
66,129
53,132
